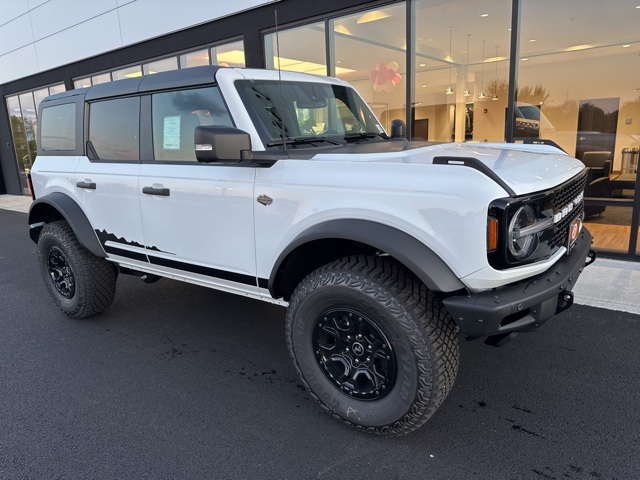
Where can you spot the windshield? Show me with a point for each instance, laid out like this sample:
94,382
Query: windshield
304,112
530,112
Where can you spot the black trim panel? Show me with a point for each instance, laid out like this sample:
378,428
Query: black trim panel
476,165
72,213
409,251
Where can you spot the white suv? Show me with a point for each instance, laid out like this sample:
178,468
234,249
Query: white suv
286,188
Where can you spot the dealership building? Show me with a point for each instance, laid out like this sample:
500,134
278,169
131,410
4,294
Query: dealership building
453,70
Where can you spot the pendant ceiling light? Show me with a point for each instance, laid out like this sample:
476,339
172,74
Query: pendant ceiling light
495,95
482,95
466,92
449,90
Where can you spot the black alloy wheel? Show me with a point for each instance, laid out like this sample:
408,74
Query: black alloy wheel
60,272
354,354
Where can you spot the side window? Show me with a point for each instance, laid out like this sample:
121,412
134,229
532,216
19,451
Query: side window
175,116
58,128
114,128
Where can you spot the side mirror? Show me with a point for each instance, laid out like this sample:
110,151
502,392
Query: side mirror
221,143
398,128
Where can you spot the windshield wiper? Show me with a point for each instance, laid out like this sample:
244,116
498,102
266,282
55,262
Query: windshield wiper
365,135
303,141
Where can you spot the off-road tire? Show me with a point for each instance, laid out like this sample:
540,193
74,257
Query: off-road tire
421,333
90,284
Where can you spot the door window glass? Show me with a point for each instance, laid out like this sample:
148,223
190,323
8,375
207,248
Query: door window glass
114,127
176,115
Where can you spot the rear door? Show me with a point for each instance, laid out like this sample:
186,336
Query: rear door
106,180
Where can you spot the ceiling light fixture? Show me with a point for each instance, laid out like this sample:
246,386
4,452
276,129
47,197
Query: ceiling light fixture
495,95
466,92
449,90
482,95
484,15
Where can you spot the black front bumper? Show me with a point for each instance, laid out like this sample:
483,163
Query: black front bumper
523,305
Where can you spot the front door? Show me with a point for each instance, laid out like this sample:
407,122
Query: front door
197,218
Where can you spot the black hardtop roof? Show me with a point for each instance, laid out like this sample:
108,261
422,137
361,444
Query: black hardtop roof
185,77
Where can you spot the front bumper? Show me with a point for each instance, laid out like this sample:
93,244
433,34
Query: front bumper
523,305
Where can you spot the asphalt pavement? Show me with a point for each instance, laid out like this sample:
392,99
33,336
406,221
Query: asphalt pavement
176,381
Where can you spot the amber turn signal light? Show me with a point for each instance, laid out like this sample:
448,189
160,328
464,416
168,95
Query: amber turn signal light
492,234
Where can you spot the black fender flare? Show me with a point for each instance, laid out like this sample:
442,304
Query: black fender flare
72,213
406,249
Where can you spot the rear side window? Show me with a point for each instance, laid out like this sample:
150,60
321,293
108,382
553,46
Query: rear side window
58,128
177,114
114,127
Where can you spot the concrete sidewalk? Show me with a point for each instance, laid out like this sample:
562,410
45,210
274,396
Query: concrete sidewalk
610,284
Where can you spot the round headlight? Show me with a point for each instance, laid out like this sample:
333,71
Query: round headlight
521,244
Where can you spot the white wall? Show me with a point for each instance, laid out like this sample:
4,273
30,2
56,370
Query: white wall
37,35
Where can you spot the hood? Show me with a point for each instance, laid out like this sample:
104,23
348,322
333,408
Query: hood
524,168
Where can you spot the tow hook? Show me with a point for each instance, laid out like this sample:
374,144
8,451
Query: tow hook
565,300
591,257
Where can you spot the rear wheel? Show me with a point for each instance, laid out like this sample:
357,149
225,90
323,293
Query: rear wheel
372,344
79,283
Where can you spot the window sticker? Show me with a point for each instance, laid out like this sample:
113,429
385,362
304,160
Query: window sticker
171,133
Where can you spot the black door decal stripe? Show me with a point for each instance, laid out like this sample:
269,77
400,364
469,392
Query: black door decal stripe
125,253
208,271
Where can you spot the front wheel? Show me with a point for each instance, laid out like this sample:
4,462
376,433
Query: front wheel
372,344
79,283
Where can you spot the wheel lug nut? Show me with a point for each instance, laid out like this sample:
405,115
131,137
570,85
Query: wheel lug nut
348,338
357,361
346,349
369,348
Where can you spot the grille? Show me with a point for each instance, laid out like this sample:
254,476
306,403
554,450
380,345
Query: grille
561,198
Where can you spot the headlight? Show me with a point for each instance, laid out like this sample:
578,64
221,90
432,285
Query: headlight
523,233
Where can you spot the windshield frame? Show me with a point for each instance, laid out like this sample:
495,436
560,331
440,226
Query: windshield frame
274,106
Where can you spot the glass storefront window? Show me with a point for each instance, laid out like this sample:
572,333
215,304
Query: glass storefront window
19,136
129,72
229,54
582,75
461,81
40,95
195,59
370,53
100,78
57,89
82,83
164,65
30,121
302,49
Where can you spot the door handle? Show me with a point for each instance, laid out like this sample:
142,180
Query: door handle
89,185
165,192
